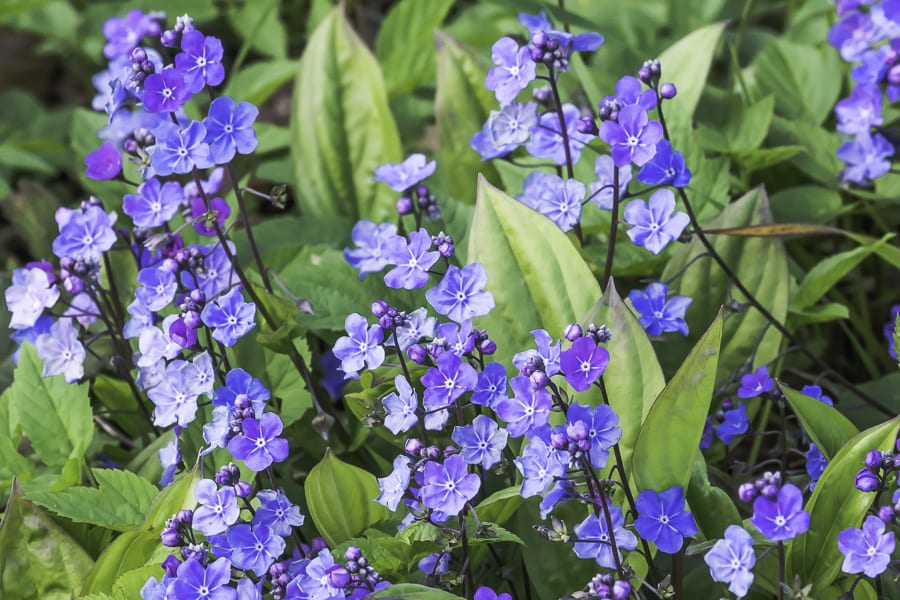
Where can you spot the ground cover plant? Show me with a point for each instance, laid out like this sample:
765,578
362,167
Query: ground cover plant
482,300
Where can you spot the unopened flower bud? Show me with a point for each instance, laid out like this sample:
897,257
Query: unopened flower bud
770,491
668,90
866,480
573,332
417,353
621,590
539,380
586,125
171,564
404,205
338,577
747,492
488,346
412,447
539,39
873,459
886,514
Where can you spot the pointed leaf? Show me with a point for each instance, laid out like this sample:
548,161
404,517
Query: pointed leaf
411,591
827,427
711,506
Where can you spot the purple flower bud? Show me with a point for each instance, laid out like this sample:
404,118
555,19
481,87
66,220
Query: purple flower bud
338,577
770,491
380,308
747,492
169,265
539,380
573,332
386,322
537,54
886,514
169,38
198,296
578,430
866,480
352,566
668,90
587,125
542,95
192,319
422,191
138,55
727,404
621,590
558,439
644,74
353,552
317,545
170,537
893,75
171,564
450,450
73,285
417,354
242,489
431,452
488,346
185,517
539,39
446,249
873,459
551,44
412,447
404,205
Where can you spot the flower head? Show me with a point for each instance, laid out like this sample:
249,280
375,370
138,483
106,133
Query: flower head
446,382
369,238
412,259
229,316
229,129
491,386
782,518
513,124
867,157
756,383
583,363
61,351
482,442
84,235
179,150
165,91
29,296
665,168
540,464
401,407
258,444
394,485
657,314
868,549
602,187
447,487
736,423
218,508
155,203
200,60
361,347
599,547
655,224
547,141
600,423
557,199
633,137
103,163
254,547
731,559
196,582
460,294
405,175
513,70
663,520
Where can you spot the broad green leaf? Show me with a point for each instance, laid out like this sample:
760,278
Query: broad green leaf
829,271
461,106
711,506
286,383
535,274
760,264
685,15
134,549
669,439
835,505
820,159
820,313
129,584
115,395
762,158
257,82
404,45
499,506
386,553
341,499
888,252
633,377
411,591
827,427
805,203
260,27
742,129
54,414
342,126
120,502
37,558
13,464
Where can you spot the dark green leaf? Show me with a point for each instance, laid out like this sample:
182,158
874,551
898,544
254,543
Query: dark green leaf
820,159
743,127
711,506
827,427
805,203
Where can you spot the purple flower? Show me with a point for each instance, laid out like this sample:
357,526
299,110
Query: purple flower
196,582
731,559
602,187
601,423
460,294
369,238
169,458
736,423
665,168
654,225
405,175
486,593
861,111
217,274
454,338
547,351
852,35
258,444
254,547
633,137
401,407
179,150
61,351
482,442
155,203
629,91
657,315
200,60
756,383
361,347
491,386
866,158
123,34
418,325
557,199
174,399
815,391
447,487
527,410
783,518
165,91
207,220
443,385
482,142
229,129
867,550
103,163
873,66
84,235
546,139
394,485
513,70
598,545
815,463
513,124
157,288
229,316
539,465
412,259
30,294
706,439
242,388
583,363
218,508
663,520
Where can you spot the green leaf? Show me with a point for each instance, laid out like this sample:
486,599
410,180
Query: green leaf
286,383
669,439
55,415
342,126
534,272
820,159
835,505
763,158
827,427
258,25
404,44
821,313
461,107
760,263
37,558
742,129
711,506
341,499
259,81
14,157
829,271
633,377
499,506
805,203
119,503
411,591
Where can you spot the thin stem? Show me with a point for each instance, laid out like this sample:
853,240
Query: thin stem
468,578
613,230
245,217
781,576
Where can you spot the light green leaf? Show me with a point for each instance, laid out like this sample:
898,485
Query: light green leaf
259,25
805,203
411,591
37,558
54,414
827,427
820,159
404,44
342,126
742,129
257,82
119,503
835,505
821,313
669,439
286,383
499,506
535,274
762,158
341,499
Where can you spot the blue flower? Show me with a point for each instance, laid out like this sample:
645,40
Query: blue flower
482,442
258,444
633,137
361,347
450,337
873,66
658,315
241,388
165,91
654,225
446,382
155,203
630,90
557,199
401,407
179,150
411,258
852,35
782,518
527,410
218,508
170,459
157,288
540,464
602,427
859,113
229,317
815,463
61,351
513,70
196,582
123,34
103,163
418,325
736,423
173,398
369,238
731,559
491,386
254,547
756,383
31,293
217,274
602,187
200,60
446,488
815,391
583,363
229,129
513,124
405,175
546,139
482,142
547,351
460,294
568,43
84,235
866,550
866,158
665,168
599,547
663,520
393,487
486,593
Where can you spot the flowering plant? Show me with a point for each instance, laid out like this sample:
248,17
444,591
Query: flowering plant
426,383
